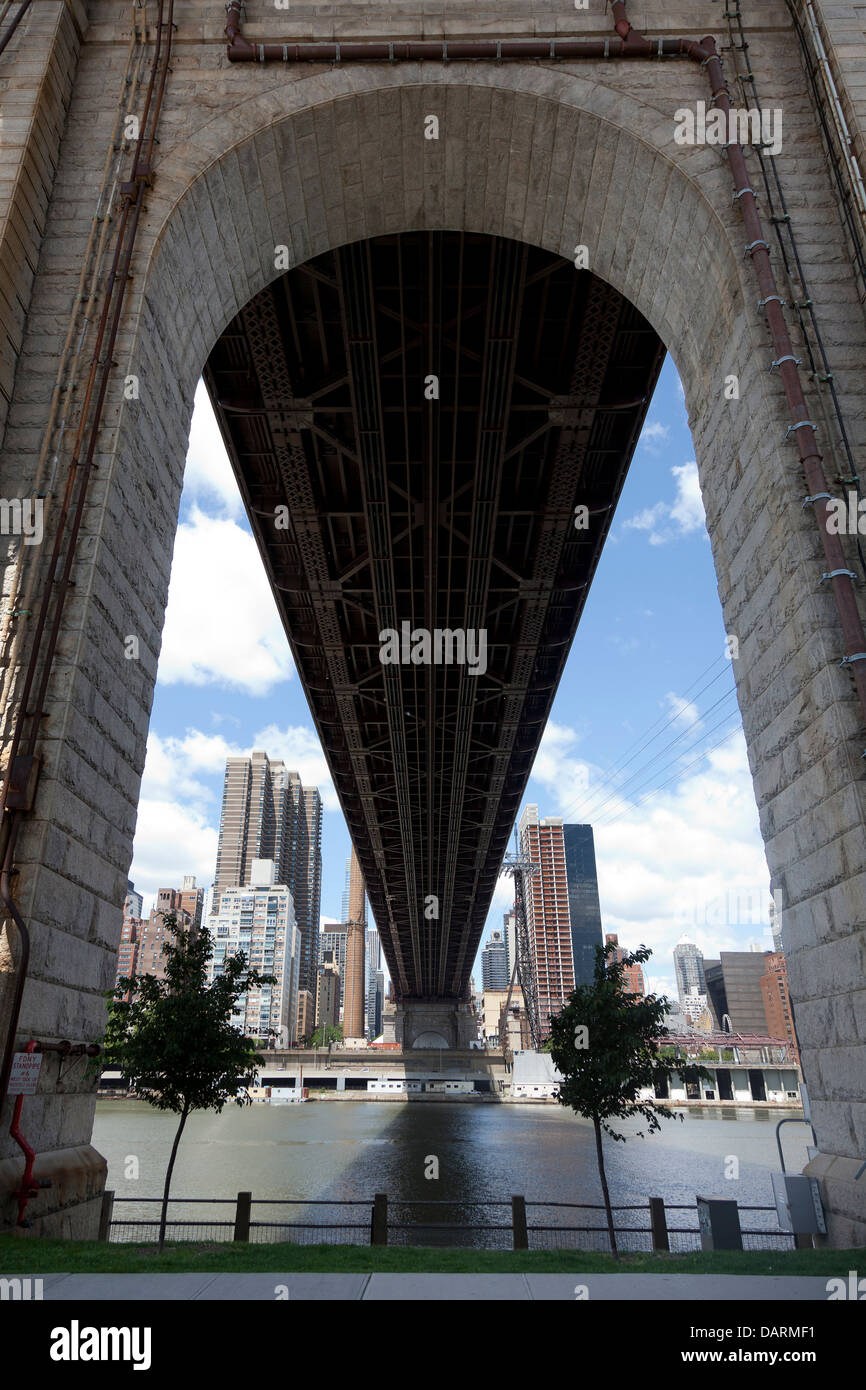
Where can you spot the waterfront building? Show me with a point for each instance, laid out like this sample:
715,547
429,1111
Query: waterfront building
734,990
332,940
372,1013
153,937
562,909
778,1008
258,918
494,963
696,1008
689,968
492,1006
268,814
305,1016
328,995
127,953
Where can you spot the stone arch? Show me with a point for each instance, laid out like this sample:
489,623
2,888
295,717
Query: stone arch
430,1040
547,155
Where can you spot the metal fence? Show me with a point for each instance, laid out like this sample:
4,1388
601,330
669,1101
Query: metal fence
454,1224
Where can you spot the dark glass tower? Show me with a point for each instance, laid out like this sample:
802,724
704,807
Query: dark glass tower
583,904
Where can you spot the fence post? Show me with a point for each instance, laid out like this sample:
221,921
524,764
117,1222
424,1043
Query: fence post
242,1216
659,1223
105,1215
379,1222
518,1223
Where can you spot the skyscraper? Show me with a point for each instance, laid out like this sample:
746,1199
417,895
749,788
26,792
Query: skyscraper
494,962
689,967
332,937
562,908
373,1022
268,814
583,905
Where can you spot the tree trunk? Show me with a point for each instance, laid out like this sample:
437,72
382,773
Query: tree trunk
168,1172
603,1177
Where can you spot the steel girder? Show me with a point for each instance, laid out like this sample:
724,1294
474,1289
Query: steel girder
413,421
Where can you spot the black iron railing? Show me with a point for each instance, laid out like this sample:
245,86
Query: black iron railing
484,1224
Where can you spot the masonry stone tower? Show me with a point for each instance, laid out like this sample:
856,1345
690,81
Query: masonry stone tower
163,167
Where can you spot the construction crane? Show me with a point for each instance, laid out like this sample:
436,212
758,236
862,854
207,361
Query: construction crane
521,870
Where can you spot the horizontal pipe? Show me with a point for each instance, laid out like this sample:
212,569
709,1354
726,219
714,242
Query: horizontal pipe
240,50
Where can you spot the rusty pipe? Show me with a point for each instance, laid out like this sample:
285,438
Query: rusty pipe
630,44
133,195
240,50
21,969
801,427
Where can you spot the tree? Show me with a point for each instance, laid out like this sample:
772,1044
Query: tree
604,1047
174,1039
329,1033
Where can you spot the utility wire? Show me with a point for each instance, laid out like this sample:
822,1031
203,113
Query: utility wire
684,733
615,815
608,779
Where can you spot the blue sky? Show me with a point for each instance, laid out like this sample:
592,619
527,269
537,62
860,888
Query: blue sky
644,742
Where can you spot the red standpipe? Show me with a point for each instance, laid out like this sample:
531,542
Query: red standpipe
632,44
29,1187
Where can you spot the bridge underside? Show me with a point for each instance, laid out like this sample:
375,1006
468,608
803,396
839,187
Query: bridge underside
413,421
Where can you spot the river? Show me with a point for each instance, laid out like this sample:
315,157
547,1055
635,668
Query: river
340,1151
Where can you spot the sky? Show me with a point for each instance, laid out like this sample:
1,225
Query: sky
644,741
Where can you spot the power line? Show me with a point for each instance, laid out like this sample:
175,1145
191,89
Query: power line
648,737
620,791
678,774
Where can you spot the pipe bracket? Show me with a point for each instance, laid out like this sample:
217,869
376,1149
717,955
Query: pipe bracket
847,661
818,497
789,357
801,424
840,574
752,246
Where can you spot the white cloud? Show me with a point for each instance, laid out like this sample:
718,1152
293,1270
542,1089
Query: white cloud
171,840
689,860
221,623
688,509
653,433
209,478
668,521
682,711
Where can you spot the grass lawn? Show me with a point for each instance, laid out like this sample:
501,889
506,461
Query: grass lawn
23,1255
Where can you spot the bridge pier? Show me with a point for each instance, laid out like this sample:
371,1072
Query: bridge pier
430,1023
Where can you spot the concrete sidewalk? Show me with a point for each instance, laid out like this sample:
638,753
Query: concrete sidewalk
402,1288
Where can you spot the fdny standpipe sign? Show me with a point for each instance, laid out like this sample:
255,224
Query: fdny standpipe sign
25,1073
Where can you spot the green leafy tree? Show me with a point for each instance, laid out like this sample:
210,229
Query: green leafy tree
174,1039
603,1044
330,1033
